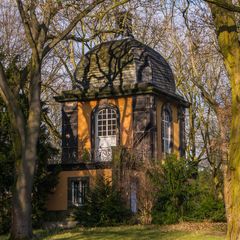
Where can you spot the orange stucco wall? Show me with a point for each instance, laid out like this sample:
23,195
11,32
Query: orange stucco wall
84,121
176,140
58,200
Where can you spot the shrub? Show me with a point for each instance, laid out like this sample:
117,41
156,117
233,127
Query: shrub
183,196
203,203
173,185
104,206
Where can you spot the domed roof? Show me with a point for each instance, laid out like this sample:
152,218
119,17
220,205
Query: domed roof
122,68
123,63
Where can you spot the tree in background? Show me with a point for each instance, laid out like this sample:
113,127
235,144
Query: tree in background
43,26
6,167
44,180
225,18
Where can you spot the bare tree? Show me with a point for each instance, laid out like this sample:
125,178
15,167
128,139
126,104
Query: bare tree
44,26
225,17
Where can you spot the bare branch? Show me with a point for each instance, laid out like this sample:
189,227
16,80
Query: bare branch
50,125
206,95
73,23
26,25
84,39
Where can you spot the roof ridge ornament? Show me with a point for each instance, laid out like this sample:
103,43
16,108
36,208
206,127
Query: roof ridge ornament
123,22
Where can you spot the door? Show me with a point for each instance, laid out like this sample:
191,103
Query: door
106,134
133,196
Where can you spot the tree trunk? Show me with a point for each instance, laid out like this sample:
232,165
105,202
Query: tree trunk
21,207
226,29
234,175
26,155
223,120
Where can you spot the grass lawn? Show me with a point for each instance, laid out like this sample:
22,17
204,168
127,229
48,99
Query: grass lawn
153,232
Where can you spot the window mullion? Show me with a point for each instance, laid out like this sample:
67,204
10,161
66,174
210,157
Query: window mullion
107,133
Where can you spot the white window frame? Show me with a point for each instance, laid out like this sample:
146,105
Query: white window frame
110,122
106,125
79,188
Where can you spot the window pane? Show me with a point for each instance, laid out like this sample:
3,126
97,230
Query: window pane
79,189
106,122
166,137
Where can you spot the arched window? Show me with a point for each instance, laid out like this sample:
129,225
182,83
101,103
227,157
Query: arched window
106,132
107,122
166,130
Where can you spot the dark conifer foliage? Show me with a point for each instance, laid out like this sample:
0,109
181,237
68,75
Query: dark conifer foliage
44,180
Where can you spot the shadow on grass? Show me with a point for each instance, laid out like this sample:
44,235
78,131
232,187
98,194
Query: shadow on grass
152,232
121,233
134,234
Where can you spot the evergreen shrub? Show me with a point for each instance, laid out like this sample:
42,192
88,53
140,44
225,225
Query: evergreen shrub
103,206
44,180
184,195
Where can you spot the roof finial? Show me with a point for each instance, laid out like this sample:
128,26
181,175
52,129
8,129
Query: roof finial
124,24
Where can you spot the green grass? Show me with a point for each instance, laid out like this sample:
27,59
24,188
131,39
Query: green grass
133,233
129,233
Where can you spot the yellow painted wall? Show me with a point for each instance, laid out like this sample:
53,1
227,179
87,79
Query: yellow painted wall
58,201
84,121
175,127
176,140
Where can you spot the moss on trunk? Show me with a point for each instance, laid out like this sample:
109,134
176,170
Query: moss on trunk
226,29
